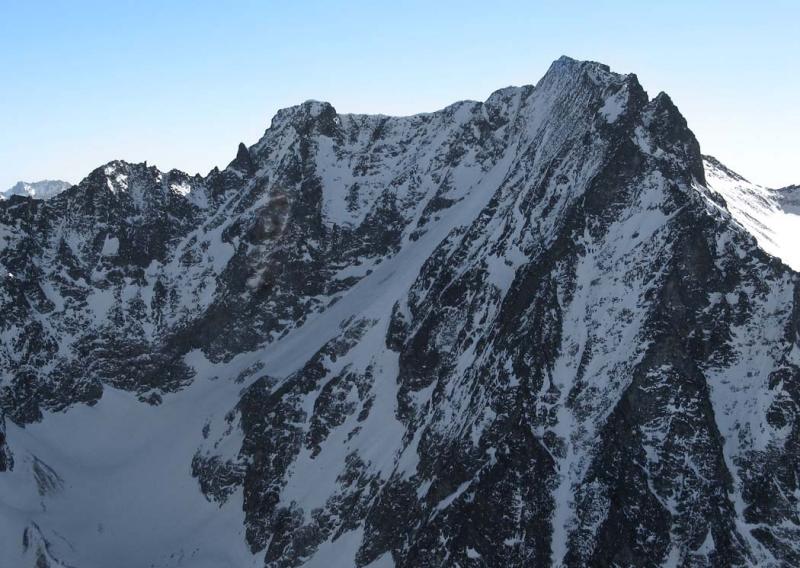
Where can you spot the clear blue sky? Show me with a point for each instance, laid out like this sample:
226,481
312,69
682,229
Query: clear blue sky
180,83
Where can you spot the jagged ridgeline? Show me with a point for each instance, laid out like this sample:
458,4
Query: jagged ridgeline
522,332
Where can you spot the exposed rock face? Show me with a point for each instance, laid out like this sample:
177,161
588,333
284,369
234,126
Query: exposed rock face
6,459
521,332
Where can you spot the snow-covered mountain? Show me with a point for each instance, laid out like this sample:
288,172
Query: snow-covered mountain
771,215
44,189
522,332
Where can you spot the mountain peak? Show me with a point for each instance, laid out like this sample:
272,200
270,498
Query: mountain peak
309,109
398,330
566,62
566,66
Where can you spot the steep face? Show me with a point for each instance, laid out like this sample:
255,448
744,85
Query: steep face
44,189
516,332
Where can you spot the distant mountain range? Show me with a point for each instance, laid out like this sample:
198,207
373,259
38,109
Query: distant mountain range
44,189
539,330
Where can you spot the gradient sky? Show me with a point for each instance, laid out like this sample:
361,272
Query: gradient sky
181,83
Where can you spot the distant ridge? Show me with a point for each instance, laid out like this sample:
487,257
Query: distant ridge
44,189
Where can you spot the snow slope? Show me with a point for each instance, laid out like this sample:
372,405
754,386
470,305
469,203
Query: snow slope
766,213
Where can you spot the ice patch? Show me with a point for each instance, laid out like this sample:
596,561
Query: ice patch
110,246
615,105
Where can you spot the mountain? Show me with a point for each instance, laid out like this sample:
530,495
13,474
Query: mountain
771,215
44,189
525,332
